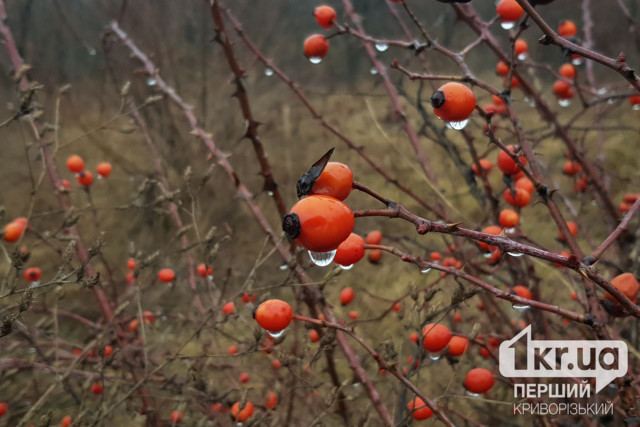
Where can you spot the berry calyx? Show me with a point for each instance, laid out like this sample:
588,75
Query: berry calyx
32,274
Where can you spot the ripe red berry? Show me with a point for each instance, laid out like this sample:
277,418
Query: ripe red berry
148,317
14,230
509,218
166,275
518,198
96,388
479,380
631,198
203,271
573,229
627,284
274,315
522,292
353,315
243,377
346,296
485,165
435,256
244,414
457,345
270,400
521,47
525,183
502,69
276,364
85,178
506,164
75,163
396,307
4,407
492,229
336,180
66,421
457,318
319,223
32,274
314,336
316,46
453,102
228,308
567,29
130,278
420,410
375,256
562,89
232,350
568,71
436,337
350,251
414,337
131,264
104,169
325,16
176,417
509,10
571,168
133,325
374,237
108,350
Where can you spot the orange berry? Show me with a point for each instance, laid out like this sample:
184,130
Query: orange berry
502,69
133,325
453,102
509,10
568,71
32,274
246,298
85,178
634,100
350,251
325,16
131,264
518,198
492,229
13,231
270,400
396,307
571,168
573,229
319,223
436,337
509,218
228,308
130,278
375,256
243,377
353,315
506,164
414,337
435,256
495,257
563,253
75,163
457,318
625,283
573,295
148,317
104,169
232,350
457,345
166,275
521,47
479,380
4,407
522,292
420,410
374,237
276,364
346,296
176,417
203,271
244,414
485,165
316,46
336,180
562,89
525,183
274,315
631,198
66,421
96,388
567,28
108,350
314,336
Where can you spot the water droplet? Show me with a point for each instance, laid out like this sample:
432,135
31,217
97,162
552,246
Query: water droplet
315,60
564,102
31,350
283,267
610,101
435,357
515,254
268,72
425,270
276,334
346,267
322,259
34,284
381,47
577,61
532,103
457,125
511,230
473,394
210,277
602,91
522,56
151,81
356,385
593,203
636,107
92,52
99,176
487,255
520,307
373,71
507,25
270,193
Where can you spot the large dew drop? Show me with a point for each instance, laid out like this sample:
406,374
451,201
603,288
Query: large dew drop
283,267
92,52
564,102
458,125
373,71
435,357
276,334
315,60
577,61
473,394
511,230
381,47
346,267
268,72
515,254
507,25
322,259
522,56
636,107
520,307
151,81
425,270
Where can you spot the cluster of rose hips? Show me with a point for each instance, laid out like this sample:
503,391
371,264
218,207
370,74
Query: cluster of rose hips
75,164
316,46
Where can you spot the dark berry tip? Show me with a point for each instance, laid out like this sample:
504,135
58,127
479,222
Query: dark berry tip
437,100
291,225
